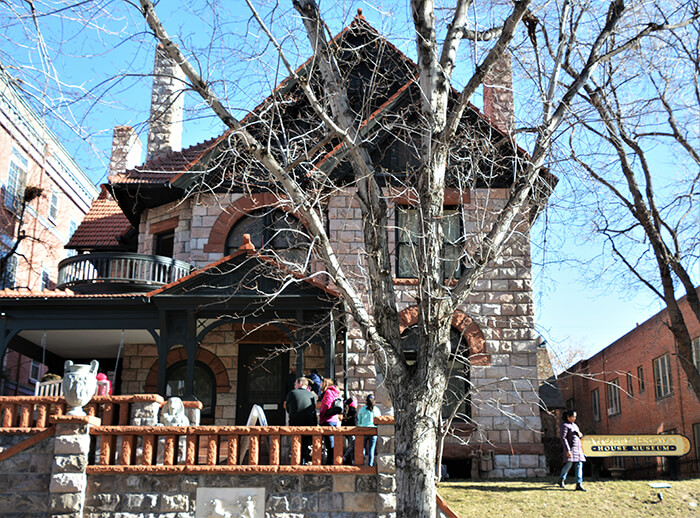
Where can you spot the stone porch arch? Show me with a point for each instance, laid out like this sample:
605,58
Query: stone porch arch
204,356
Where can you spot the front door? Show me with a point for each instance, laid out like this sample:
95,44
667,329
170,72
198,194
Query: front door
262,380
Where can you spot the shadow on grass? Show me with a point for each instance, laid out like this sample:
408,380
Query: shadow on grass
495,488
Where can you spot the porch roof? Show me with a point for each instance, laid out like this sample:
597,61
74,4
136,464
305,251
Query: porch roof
242,287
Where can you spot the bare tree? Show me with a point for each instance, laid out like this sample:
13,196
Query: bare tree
644,113
417,389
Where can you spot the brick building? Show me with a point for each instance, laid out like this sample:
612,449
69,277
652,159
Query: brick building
216,334
32,157
637,386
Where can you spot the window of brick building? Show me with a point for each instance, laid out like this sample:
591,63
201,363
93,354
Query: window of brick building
630,385
16,180
35,371
662,376
8,277
407,234
696,352
640,379
613,391
53,205
45,280
595,404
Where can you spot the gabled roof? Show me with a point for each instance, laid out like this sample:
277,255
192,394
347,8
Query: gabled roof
102,226
246,273
356,45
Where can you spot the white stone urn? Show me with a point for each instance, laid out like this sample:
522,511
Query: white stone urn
79,384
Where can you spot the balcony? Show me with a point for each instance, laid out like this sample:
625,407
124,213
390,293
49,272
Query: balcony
119,272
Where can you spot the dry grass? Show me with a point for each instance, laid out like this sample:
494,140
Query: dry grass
542,498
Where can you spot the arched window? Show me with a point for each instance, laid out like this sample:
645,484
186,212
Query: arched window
204,385
272,230
457,395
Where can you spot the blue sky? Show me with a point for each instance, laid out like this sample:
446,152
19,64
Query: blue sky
572,312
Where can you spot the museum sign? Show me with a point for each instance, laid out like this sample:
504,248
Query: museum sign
635,445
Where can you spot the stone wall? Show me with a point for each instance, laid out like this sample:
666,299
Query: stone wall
286,496
53,478
25,478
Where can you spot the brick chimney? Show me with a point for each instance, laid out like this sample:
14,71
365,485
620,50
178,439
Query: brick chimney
126,150
167,102
498,94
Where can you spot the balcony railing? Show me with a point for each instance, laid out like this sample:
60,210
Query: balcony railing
119,271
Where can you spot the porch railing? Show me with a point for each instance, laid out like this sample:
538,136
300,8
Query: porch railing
122,447
222,448
118,268
30,413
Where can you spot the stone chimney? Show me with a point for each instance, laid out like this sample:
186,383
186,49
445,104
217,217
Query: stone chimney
126,150
167,102
498,94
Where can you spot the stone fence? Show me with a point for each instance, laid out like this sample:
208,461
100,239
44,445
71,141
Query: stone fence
56,465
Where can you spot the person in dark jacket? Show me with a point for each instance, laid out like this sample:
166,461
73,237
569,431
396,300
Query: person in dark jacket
573,453
301,407
350,419
315,382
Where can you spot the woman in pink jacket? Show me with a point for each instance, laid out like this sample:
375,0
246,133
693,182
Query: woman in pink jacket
327,417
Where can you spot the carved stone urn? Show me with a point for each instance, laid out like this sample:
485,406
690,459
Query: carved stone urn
79,384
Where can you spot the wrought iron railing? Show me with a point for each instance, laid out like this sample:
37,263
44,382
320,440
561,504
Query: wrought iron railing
119,269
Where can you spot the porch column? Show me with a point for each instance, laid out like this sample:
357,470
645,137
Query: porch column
177,328
68,475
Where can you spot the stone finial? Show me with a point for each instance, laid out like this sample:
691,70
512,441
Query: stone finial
498,94
167,103
126,150
247,244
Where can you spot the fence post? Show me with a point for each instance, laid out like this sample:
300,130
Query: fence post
70,460
385,460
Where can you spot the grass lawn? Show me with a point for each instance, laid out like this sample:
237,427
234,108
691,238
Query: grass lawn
542,498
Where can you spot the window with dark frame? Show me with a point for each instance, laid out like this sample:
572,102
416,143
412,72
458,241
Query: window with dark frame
595,404
662,376
165,243
630,385
204,388
696,351
407,225
34,371
9,276
45,280
640,379
272,230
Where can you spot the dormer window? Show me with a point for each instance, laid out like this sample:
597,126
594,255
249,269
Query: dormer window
275,231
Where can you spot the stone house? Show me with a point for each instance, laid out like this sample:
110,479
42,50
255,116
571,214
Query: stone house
179,258
636,386
31,156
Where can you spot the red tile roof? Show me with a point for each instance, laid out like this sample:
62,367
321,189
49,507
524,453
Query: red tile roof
102,226
162,169
26,293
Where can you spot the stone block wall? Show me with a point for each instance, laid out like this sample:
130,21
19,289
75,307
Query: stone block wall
25,478
286,495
